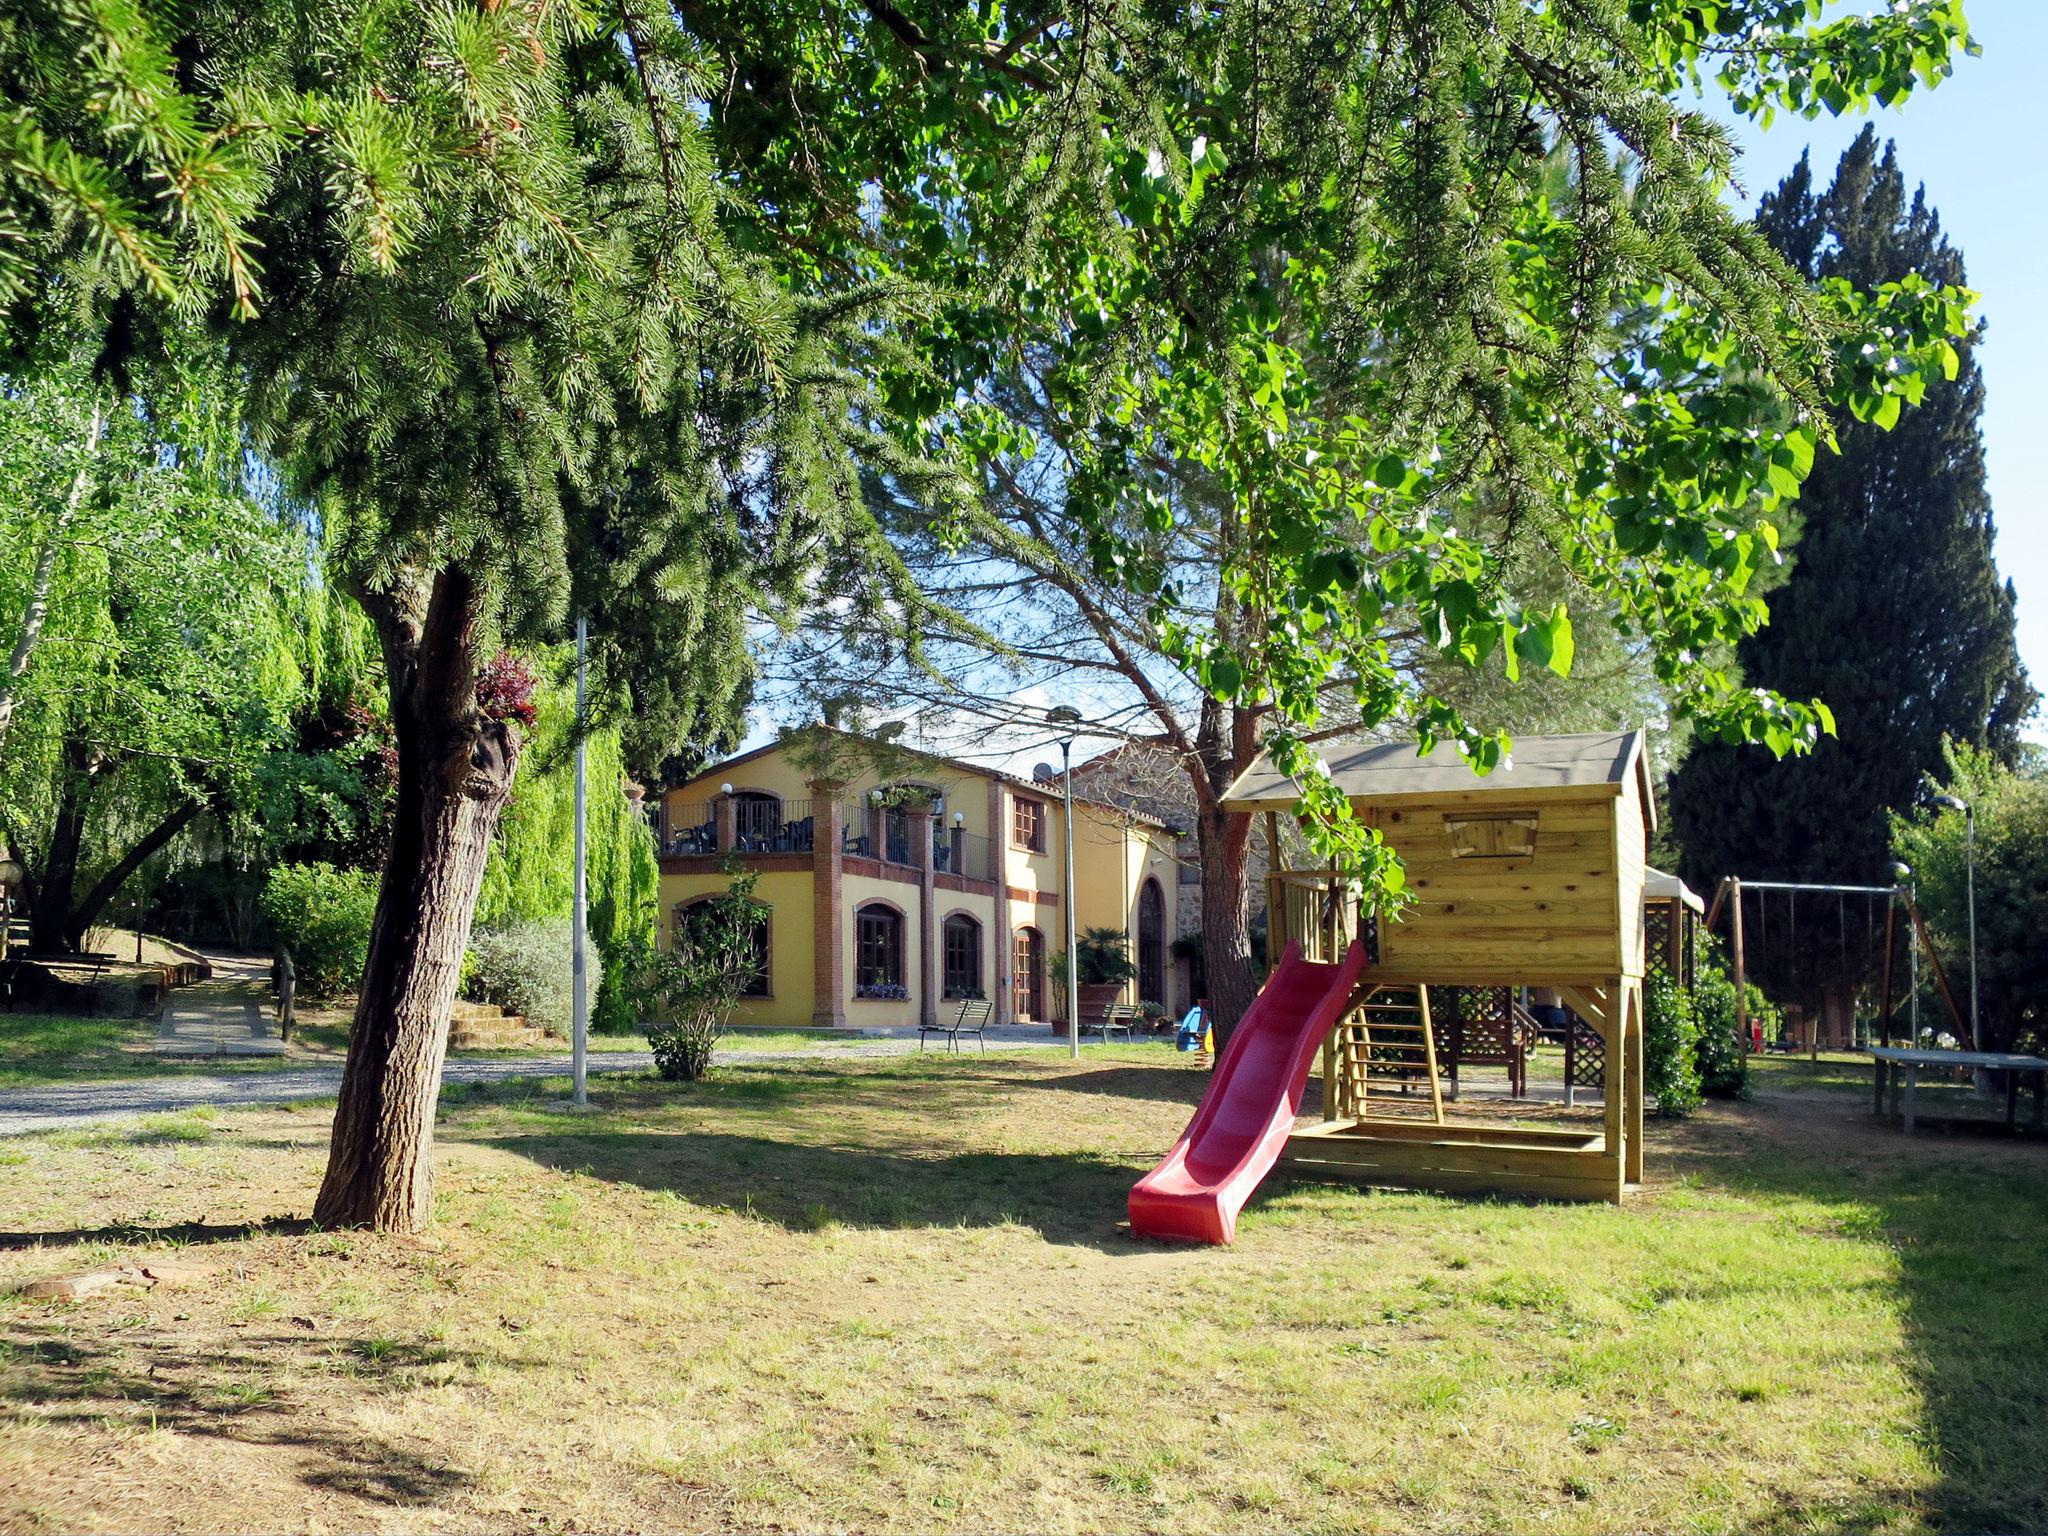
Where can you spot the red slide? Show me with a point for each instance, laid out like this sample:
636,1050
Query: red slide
1244,1118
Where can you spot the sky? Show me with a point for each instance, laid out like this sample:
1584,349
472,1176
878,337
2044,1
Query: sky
1976,144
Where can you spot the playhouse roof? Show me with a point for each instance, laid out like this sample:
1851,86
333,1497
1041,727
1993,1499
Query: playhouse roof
1397,770
1658,886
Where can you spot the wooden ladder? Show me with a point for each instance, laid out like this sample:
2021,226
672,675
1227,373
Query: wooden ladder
1387,1050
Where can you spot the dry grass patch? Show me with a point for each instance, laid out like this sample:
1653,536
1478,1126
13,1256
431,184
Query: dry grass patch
899,1295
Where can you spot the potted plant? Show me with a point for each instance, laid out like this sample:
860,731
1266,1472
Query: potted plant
1105,964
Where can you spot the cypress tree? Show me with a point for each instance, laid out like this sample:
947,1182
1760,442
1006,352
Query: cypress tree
1894,613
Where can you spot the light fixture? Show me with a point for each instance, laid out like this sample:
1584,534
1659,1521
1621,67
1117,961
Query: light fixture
725,789
959,818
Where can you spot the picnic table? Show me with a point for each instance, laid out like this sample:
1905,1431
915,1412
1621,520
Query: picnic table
1894,1061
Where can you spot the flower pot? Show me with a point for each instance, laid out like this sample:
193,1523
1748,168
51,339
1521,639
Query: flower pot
1096,996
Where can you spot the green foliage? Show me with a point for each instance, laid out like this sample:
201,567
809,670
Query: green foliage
1671,1047
1104,955
531,872
2012,892
323,916
695,984
1723,1053
527,966
1894,611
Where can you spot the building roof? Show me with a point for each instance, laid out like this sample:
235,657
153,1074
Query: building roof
1658,886
1048,790
1387,770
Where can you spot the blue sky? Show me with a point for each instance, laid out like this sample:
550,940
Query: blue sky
1977,144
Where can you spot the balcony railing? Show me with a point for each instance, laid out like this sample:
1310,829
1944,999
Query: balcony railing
765,826
758,826
692,830
962,853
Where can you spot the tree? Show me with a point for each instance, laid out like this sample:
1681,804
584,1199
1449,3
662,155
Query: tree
1894,611
2011,806
594,314
173,610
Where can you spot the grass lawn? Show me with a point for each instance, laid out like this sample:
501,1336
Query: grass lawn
898,1295
38,1048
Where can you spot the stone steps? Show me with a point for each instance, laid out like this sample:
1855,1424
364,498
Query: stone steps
487,1027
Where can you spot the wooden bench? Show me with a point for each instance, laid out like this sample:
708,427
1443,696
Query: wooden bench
973,1020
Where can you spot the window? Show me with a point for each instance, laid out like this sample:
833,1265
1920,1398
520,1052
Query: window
878,951
963,956
1027,824
702,909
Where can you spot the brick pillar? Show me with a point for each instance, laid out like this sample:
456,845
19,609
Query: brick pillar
919,822
727,815
999,871
828,906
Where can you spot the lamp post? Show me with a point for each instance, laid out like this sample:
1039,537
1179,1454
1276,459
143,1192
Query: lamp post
1901,875
579,994
1956,803
1068,716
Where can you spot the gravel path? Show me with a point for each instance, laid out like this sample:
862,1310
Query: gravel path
27,1110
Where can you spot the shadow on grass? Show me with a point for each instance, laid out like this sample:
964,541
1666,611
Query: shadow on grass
1069,1198
253,1393
1163,1085
1969,1226
179,1234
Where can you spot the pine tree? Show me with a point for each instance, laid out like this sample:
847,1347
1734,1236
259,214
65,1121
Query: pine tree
1894,613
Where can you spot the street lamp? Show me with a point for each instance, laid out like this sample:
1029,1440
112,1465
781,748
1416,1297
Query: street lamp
1902,873
1068,716
1956,803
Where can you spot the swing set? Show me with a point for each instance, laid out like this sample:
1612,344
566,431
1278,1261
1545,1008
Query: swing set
1732,891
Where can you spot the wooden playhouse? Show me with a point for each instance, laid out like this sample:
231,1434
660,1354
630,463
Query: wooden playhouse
1527,883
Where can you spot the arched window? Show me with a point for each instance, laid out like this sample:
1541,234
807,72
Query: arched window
1027,974
963,956
690,912
1151,943
878,947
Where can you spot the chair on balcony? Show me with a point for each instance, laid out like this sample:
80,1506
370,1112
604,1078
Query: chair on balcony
973,1020
695,840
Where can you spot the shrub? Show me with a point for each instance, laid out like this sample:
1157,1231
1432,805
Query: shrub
696,983
1723,1055
527,967
323,916
1671,1030
1105,956
620,1008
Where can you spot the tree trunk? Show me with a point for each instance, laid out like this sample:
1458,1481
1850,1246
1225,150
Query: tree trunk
87,912
51,901
1224,841
44,574
454,777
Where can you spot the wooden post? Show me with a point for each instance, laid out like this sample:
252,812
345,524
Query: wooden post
1632,1013
1276,896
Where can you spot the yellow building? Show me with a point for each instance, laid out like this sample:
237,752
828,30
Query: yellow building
893,883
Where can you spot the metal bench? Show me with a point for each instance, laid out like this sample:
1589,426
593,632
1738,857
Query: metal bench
973,1020
1117,1016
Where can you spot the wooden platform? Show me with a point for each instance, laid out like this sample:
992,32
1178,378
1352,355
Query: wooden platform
1537,1162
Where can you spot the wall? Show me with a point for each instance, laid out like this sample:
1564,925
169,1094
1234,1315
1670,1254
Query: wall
1553,916
787,894
868,1012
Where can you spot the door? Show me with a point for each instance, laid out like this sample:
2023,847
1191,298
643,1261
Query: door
1027,975
1152,944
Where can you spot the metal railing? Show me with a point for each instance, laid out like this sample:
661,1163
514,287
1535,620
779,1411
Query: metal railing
768,826
966,854
692,830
